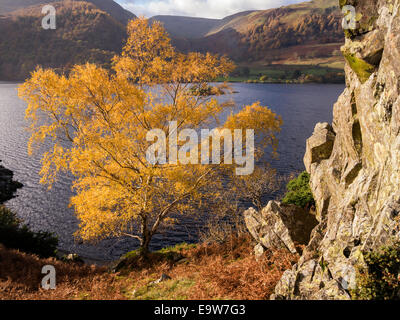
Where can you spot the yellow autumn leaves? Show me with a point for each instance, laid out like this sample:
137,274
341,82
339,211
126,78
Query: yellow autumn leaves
98,121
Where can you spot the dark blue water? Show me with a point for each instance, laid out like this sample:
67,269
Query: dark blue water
300,106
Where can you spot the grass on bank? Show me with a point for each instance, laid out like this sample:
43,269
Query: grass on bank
282,73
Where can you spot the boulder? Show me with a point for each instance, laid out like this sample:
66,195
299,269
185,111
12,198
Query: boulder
164,277
320,145
279,226
73,258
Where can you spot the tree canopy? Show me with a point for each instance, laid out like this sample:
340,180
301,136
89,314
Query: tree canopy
99,122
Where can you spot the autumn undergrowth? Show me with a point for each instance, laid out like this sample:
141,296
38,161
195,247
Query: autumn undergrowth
212,271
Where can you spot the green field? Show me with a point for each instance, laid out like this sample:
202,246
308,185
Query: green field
286,73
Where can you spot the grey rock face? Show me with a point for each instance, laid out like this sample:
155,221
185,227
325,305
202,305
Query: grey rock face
320,145
356,187
279,226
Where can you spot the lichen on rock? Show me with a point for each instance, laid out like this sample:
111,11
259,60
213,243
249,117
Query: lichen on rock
279,226
361,67
356,186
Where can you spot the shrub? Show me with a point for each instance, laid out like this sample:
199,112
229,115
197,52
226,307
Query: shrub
299,192
296,74
14,235
227,220
221,230
203,91
380,280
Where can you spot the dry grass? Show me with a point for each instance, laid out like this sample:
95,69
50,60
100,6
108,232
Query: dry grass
209,271
20,278
231,271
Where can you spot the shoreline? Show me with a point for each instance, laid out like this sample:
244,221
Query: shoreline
248,81
278,82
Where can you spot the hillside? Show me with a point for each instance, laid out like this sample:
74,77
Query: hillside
84,33
114,10
296,37
305,33
187,27
244,21
109,6
12,5
194,28
204,272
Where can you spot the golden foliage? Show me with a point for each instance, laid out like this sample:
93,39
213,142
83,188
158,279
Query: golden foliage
98,122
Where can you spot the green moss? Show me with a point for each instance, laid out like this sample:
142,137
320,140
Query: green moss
348,34
165,251
177,249
342,3
323,264
362,68
168,290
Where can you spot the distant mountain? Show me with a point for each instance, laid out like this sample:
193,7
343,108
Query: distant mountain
94,30
232,21
84,33
286,15
109,6
7,6
114,9
187,27
193,27
308,32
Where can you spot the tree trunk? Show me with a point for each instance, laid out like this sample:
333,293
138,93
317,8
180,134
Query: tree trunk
146,238
144,245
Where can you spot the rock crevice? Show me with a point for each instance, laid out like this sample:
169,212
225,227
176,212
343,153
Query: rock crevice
280,226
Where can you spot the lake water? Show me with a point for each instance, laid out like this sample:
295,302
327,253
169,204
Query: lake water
300,106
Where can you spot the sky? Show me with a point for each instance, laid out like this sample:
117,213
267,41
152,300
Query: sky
199,8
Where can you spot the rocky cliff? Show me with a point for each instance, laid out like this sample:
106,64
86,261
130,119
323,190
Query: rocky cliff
355,162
